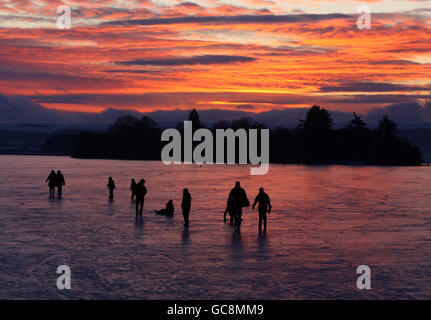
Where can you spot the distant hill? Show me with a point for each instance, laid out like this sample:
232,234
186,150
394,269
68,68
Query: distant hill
22,142
18,112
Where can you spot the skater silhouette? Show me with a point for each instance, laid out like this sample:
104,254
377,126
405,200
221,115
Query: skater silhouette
132,188
264,207
236,201
168,210
52,183
186,205
140,192
111,187
60,183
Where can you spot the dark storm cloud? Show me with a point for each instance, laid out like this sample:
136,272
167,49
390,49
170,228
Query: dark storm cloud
245,107
55,78
181,61
376,99
371,87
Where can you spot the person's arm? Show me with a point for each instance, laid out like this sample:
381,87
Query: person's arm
269,204
230,196
246,198
255,201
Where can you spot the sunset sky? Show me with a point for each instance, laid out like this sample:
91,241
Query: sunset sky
252,55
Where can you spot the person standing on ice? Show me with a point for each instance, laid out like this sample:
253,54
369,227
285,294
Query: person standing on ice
111,187
140,192
264,207
52,183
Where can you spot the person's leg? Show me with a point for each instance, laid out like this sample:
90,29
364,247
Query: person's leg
186,217
141,207
236,217
137,206
260,219
233,216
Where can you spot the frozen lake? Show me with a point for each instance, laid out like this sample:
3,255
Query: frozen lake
326,221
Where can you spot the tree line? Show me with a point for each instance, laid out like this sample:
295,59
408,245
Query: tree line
313,141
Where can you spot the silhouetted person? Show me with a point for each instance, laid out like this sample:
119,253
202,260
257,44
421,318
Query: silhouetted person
132,188
168,210
60,183
111,187
186,204
237,200
264,207
140,192
52,183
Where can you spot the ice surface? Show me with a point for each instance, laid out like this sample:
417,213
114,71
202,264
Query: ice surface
326,221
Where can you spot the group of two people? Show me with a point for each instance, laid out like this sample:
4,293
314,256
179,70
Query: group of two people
186,205
138,193
55,180
238,199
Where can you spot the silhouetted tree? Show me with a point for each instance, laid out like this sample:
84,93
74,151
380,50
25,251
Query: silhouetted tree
124,124
127,138
283,146
222,124
314,135
354,140
147,123
194,118
246,123
357,122
317,121
387,127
